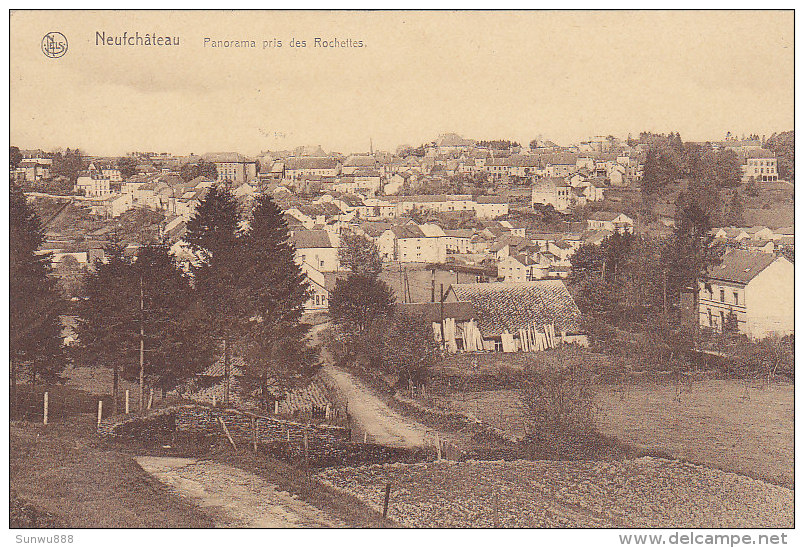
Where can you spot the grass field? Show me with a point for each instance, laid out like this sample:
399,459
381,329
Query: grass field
712,424
496,363
65,473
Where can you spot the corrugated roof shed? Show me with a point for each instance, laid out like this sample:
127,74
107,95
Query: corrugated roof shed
505,306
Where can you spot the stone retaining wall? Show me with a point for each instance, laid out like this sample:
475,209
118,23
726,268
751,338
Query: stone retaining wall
326,445
202,419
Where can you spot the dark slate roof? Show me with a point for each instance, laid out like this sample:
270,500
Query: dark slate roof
306,239
761,153
408,231
431,312
562,158
226,157
491,200
357,160
311,163
504,306
741,266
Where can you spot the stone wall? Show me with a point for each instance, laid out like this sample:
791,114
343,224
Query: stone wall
203,419
326,445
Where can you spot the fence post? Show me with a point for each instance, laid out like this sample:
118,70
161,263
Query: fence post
387,499
151,399
126,402
100,411
44,414
496,510
226,431
276,407
254,433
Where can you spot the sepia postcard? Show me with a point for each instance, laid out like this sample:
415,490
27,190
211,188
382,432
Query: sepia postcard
402,269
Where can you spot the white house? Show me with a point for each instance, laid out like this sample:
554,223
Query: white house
757,288
319,297
552,191
318,248
610,220
419,244
522,268
760,165
490,207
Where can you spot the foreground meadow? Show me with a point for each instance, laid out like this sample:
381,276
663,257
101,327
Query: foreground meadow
718,423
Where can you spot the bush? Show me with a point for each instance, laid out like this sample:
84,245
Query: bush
559,404
764,359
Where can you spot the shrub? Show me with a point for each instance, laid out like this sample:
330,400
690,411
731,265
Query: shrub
559,404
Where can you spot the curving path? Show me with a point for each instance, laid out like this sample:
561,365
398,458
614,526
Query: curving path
370,415
234,497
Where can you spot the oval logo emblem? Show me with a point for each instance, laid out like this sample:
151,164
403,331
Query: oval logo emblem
54,44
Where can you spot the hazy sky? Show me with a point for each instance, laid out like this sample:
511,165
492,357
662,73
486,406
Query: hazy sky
564,75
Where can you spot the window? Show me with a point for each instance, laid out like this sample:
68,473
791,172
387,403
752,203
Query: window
736,298
723,295
317,300
709,311
722,319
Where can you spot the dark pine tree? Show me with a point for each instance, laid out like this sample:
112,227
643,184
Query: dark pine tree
221,279
35,302
690,250
277,349
108,327
175,346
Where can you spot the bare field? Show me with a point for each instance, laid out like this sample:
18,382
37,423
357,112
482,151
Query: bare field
644,492
713,423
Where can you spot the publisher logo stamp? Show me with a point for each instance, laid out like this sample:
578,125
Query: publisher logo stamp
54,44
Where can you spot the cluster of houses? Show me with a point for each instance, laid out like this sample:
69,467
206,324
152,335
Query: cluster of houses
756,238
375,195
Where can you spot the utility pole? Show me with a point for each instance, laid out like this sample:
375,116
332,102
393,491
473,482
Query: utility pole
226,371
142,347
442,316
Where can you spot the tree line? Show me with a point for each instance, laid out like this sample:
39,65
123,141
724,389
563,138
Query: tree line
149,320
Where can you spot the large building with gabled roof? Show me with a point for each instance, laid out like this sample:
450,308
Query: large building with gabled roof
754,289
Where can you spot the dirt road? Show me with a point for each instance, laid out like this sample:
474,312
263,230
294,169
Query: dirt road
370,415
234,497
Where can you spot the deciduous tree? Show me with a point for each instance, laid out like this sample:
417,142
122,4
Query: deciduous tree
359,254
